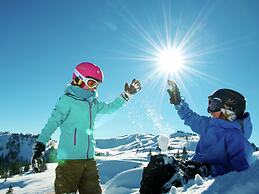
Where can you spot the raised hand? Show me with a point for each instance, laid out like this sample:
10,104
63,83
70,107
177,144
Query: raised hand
131,89
174,93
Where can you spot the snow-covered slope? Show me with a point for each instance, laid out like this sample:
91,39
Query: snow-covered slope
16,147
145,142
121,170
21,144
122,141
122,176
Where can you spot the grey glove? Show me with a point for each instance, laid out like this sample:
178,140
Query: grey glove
131,89
174,93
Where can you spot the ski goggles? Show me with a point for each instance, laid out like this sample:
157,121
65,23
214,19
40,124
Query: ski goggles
214,105
89,82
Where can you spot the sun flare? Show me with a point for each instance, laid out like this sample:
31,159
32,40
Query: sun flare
170,60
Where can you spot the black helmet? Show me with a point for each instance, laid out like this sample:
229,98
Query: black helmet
229,99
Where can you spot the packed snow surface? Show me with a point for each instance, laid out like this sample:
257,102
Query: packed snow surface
121,171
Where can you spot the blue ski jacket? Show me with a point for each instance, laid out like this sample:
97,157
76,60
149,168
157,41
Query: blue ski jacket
75,113
223,144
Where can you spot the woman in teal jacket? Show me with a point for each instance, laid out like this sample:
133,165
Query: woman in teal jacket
75,113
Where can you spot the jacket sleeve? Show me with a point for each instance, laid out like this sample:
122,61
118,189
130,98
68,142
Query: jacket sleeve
58,115
196,122
106,108
238,152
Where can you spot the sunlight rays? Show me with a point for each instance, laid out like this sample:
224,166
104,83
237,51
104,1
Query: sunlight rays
170,46
170,60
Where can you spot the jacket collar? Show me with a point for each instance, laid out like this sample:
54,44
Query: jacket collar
243,125
225,124
80,93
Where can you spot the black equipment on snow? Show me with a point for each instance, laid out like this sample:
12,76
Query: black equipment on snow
158,172
163,172
174,93
227,99
37,158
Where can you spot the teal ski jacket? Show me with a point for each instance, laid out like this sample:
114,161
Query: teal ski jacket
75,113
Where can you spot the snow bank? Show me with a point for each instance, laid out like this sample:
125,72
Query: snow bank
121,173
255,156
125,182
237,182
29,183
109,168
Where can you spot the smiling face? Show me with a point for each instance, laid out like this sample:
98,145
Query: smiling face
87,88
219,115
216,115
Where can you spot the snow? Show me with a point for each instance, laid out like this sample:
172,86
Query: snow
121,172
173,190
237,182
19,143
198,179
163,142
31,183
105,167
4,138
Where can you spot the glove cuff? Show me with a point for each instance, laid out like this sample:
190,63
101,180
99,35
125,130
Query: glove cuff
178,106
39,146
127,96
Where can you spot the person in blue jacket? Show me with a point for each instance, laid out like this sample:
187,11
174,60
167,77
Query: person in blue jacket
75,113
224,136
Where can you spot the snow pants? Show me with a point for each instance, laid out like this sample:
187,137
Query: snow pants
77,175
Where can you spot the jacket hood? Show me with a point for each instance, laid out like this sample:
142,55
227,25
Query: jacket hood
247,125
80,93
243,124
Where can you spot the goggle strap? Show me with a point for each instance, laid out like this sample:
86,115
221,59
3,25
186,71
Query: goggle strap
82,78
78,74
216,99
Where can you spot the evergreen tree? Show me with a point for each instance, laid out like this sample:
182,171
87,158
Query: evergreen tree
27,167
177,155
186,137
15,168
150,153
184,154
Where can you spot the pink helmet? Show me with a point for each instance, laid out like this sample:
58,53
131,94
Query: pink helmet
87,69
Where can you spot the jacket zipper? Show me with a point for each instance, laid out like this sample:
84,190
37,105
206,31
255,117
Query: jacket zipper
90,127
75,136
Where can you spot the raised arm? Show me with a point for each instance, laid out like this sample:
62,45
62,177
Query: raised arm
196,122
129,90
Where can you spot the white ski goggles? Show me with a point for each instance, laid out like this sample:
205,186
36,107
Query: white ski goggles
89,82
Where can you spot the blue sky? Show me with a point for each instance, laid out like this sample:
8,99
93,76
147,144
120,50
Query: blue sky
42,41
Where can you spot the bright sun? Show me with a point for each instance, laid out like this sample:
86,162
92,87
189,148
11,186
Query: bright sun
170,60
